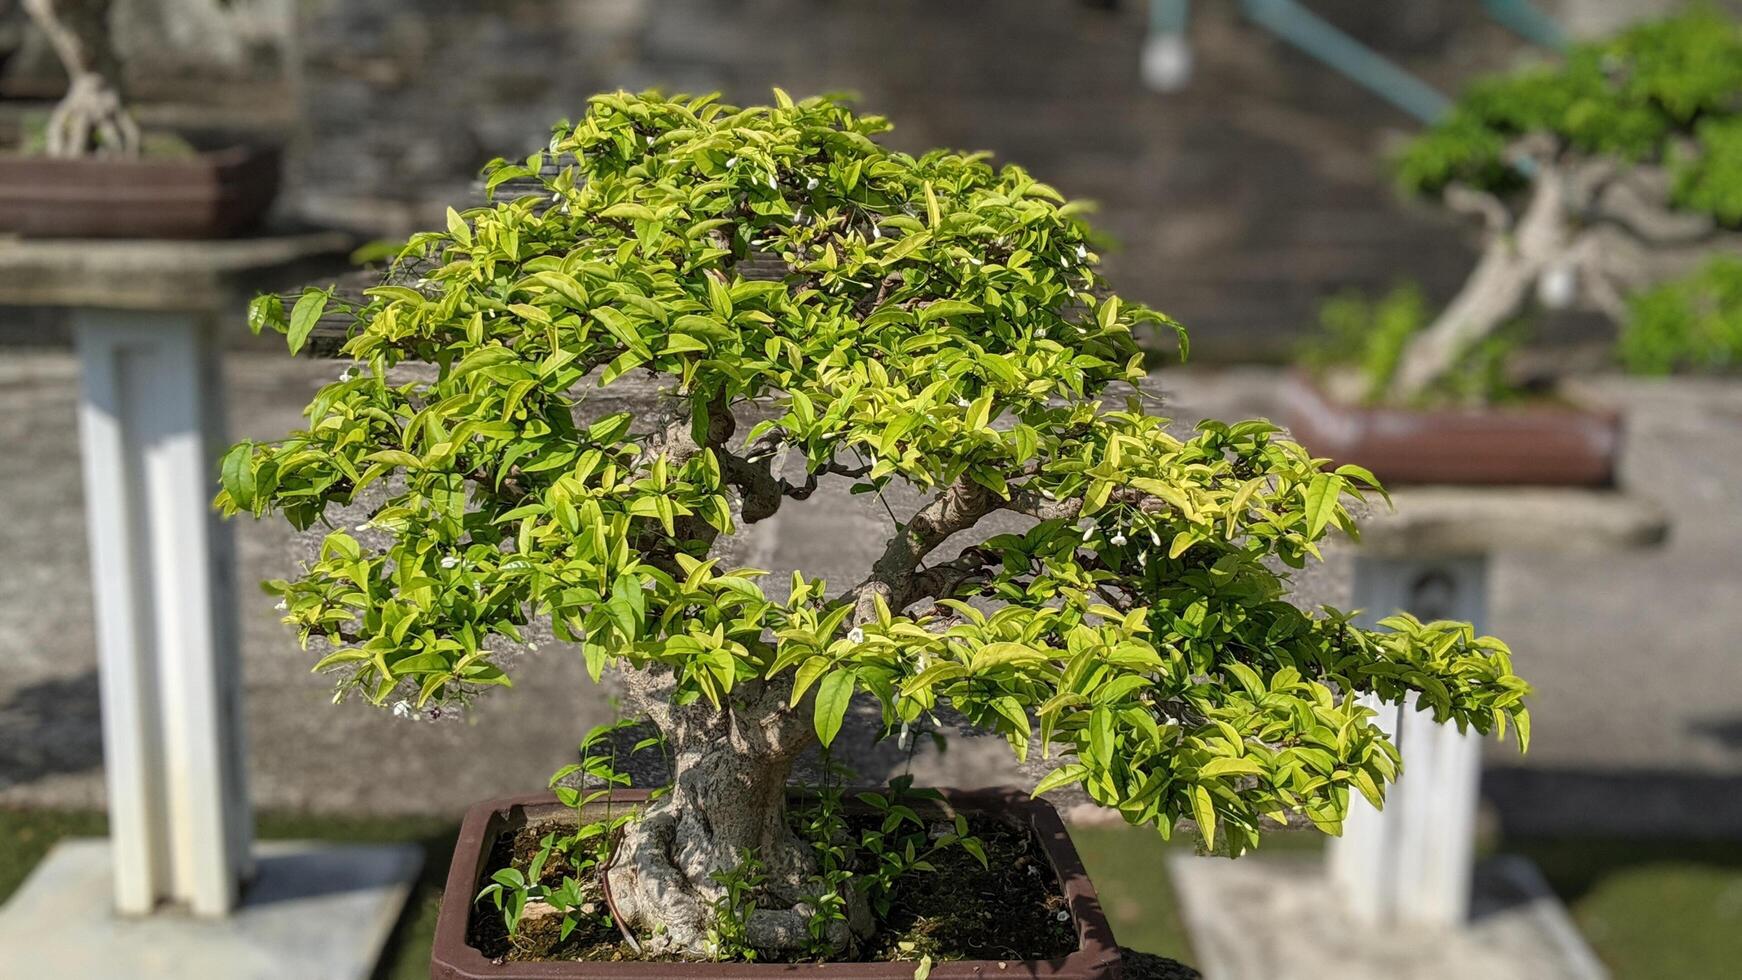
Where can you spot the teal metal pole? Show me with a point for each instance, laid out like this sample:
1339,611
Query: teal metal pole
1361,64
1523,19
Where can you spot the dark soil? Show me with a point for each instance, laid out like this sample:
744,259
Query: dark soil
1009,910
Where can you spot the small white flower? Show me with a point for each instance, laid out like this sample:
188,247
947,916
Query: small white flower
348,374
282,606
963,402
533,647
1154,538
731,163
1089,532
1082,251
402,709
1143,559
876,233
855,635
649,140
811,184
906,738
772,185
975,261
1040,334
450,561
1064,916
1118,540
366,525
1044,492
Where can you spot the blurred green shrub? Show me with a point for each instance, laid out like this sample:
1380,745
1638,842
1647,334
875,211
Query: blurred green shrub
1689,324
1367,337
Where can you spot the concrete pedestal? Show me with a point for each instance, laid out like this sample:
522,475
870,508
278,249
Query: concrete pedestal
1400,894
313,911
1278,917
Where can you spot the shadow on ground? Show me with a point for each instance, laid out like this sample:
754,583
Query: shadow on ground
49,728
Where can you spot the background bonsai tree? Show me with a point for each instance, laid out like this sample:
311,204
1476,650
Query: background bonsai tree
931,320
1616,170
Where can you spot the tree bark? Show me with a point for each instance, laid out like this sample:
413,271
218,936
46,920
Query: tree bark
1495,292
727,801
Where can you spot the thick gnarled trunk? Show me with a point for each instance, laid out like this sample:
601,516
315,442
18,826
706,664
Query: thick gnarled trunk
727,801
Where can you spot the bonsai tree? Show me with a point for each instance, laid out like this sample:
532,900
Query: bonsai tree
800,289
1608,173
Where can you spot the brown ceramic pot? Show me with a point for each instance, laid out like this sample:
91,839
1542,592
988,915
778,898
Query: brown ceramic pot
212,194
1523,445
1096,957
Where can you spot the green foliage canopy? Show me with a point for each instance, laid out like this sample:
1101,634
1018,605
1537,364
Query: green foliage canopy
930,319
1666,91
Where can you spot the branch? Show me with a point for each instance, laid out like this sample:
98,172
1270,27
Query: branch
896,576
1464,199
942,580
761,489
959,507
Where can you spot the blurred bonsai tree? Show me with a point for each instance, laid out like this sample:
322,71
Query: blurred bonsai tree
1618,169
808,295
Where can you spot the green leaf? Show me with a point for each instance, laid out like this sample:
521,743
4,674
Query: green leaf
833,696
237,474
1242,766
1321,501
303,317
1204,812
1062,776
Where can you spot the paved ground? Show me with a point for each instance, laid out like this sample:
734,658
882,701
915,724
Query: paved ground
1638,723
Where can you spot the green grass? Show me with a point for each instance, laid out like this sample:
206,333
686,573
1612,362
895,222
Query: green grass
1649,909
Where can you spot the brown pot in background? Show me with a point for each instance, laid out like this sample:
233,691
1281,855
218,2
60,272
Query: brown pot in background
1518,445
1096,958
212,194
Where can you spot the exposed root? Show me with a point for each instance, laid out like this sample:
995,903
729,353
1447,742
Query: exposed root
92,120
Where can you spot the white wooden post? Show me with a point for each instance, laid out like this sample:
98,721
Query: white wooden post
1411,862
150,434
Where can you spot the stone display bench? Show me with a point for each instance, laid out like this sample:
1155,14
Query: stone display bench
1401,894
179,885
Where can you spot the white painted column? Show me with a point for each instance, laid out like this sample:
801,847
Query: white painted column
1411,862
150,434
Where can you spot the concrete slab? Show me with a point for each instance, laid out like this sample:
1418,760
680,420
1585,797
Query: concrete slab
1490,520
315,911
1277,917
